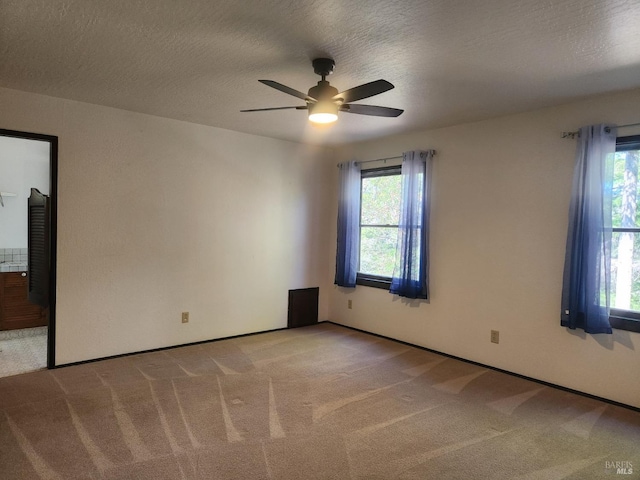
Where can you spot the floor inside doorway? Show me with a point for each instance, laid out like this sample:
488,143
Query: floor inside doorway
23,351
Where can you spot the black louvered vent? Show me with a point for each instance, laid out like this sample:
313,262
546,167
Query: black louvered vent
303,307
39,248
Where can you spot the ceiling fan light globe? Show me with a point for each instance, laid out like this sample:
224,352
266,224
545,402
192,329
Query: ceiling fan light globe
323,112
323,117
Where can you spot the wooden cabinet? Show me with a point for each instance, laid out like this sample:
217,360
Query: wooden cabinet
15,309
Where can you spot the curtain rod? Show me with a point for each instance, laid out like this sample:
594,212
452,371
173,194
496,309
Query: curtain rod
379,160
577,133
385,159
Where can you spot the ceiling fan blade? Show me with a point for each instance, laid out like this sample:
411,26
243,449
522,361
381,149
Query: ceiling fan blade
364,91
288,90
371,110
274,108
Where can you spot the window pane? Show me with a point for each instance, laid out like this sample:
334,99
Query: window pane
381,200
377,250
625,271
626,189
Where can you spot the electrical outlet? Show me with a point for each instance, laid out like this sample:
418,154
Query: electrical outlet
185,317
349,304
495,336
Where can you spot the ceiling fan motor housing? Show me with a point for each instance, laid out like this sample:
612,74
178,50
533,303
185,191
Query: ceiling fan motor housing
323,91
324,68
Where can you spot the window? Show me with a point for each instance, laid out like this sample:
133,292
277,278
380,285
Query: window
383,226
380,194
625,248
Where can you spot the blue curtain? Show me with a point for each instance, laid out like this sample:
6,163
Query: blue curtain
411,271
587,267
348,248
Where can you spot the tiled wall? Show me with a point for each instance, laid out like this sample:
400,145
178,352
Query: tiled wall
13,259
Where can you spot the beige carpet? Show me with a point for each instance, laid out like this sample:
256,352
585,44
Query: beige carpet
321,402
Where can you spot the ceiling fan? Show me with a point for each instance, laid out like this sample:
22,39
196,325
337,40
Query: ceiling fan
324,101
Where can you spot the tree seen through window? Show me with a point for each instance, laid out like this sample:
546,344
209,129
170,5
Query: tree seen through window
380,204
625,251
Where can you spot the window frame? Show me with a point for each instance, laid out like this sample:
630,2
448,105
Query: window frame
367,279
618,318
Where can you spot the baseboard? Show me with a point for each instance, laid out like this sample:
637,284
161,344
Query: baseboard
166,348
542,382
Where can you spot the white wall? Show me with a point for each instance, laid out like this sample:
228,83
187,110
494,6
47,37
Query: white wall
23,164
500,201
158,216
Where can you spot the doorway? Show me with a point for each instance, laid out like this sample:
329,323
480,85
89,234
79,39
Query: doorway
28,161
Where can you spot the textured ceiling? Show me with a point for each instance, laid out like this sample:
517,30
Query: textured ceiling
451,61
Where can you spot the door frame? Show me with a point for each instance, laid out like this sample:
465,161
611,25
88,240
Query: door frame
53,231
